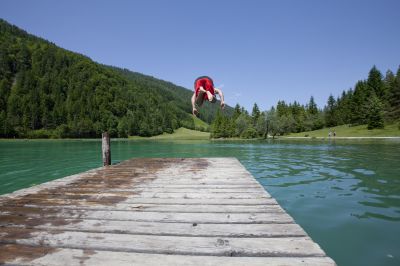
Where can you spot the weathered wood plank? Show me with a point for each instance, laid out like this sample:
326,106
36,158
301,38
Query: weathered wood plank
159,189
158,228
189,195
180,245
79,257
244,218
162,183
50,185
56,201
170,208
169,186
259,201
200,195
127,192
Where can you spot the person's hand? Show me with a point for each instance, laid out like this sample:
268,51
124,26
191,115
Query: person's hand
222,105
195,112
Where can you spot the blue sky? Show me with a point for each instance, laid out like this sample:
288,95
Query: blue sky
257,51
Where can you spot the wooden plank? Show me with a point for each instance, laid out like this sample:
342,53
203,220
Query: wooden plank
79,257
208,181
158,190
158,228
169,186
220,218
50,185
128,197
170,208
200,195
153,182
179,245
127,192
188,195
57,201
259,201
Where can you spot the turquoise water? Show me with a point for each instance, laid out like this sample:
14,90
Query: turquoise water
345,194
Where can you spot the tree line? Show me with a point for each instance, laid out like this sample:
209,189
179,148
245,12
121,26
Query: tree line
373,101
47,91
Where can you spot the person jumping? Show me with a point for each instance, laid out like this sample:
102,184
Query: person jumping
204,90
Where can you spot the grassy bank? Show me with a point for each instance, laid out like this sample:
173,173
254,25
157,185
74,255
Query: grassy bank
355,131
179,134
200,124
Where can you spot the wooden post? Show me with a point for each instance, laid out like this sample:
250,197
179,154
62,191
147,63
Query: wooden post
106,151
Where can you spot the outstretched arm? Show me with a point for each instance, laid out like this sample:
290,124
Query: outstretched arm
194,110
221,96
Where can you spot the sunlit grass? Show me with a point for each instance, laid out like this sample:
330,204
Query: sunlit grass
179,134
198,123
352,131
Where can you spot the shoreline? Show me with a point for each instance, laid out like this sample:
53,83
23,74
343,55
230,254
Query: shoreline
333,138
210,139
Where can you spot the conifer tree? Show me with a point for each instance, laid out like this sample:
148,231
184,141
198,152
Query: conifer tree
394,98
330,112
282,108
358,104
375,83
312,107
375,113
255,114
237,111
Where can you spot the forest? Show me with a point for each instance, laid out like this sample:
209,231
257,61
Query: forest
373,102
50,92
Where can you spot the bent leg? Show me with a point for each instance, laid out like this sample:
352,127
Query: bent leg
214,99
200,97
210,97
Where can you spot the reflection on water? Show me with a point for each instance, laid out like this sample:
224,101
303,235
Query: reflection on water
362,172
345,194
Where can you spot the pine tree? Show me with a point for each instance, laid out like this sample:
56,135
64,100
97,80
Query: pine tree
217,126
394,98
344,106
358,104
282,108
255,114
312,107
237,111
330,112
375,82
375,113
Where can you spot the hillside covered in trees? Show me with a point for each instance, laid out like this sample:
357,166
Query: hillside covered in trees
47,91
373,102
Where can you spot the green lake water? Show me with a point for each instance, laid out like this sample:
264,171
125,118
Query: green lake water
345,194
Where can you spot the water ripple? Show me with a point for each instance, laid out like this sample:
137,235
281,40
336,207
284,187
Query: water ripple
345,194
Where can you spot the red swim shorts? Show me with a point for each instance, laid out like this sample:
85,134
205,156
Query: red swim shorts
205,82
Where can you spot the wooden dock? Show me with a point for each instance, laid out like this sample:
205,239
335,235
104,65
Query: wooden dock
203,211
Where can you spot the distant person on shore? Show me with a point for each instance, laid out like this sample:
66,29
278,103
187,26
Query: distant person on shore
204,90
334,133
329,134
